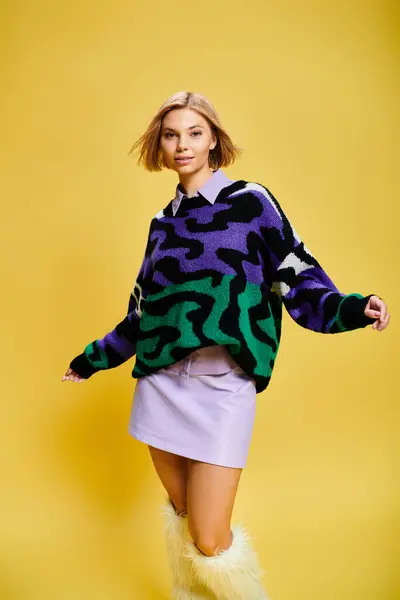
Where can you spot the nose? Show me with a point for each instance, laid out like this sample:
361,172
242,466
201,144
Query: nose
181,145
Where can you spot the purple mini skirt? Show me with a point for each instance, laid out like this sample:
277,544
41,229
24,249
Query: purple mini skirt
201,407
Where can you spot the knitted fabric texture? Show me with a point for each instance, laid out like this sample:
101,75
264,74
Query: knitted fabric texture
220,273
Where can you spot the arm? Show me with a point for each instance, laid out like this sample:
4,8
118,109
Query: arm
309,295
117,346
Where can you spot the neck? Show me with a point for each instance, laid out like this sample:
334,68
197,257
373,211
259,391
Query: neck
192,182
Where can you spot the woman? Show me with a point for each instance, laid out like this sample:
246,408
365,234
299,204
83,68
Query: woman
204,320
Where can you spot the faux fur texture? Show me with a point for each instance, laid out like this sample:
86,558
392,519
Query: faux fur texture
234,574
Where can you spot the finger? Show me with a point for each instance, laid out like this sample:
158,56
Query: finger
383,313
381,325
384,324
372,313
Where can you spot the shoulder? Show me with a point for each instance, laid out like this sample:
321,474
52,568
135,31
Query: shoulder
157,216
251,187
259,192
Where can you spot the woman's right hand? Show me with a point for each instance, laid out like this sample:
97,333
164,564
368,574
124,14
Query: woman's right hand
72,376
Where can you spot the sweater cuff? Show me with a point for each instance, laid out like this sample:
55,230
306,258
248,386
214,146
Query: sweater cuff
81,365
351,312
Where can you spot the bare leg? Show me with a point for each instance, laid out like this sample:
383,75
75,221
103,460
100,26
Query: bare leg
172,471
211,493
221,556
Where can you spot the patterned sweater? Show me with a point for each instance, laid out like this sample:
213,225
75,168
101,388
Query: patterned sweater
217,269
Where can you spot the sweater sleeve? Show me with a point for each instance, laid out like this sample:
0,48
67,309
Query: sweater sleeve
117,346
307,292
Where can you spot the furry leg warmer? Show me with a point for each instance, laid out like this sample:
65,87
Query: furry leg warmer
185,584
234,574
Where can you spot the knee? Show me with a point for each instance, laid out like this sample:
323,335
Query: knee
211,545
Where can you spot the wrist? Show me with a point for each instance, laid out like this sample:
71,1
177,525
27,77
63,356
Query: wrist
81,365
352,312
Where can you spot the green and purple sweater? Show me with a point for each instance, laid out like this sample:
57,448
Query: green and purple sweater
217,269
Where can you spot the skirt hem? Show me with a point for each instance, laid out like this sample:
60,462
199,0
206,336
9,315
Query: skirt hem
145,436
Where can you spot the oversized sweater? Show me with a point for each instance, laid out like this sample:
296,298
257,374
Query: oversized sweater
218,271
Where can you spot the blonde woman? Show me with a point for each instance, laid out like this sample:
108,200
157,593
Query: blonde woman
204,320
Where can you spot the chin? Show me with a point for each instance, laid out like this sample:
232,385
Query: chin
184,168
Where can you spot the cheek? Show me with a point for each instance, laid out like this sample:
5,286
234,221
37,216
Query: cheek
166,148
201,145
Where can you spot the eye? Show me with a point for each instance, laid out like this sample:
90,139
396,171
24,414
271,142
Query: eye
169,133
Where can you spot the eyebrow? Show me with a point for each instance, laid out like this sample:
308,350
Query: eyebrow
192,127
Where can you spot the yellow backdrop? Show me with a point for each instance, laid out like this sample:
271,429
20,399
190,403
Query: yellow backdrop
308,89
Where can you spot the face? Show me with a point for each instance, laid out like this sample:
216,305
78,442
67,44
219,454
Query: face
186,134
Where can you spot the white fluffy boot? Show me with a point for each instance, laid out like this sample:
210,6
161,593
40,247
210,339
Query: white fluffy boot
184,582
234,574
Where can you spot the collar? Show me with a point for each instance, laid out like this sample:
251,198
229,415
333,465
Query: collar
210,189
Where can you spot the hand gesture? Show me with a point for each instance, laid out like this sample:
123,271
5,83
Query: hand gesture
72,376
376,308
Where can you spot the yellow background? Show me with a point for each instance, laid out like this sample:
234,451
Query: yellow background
309,90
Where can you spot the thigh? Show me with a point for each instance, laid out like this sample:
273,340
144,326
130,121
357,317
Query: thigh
211,493
172,470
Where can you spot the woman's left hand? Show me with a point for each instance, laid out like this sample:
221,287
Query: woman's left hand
376,308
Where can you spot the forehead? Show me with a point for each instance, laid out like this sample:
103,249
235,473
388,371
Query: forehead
183,118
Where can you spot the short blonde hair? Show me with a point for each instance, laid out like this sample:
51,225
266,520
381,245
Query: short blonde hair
150,155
